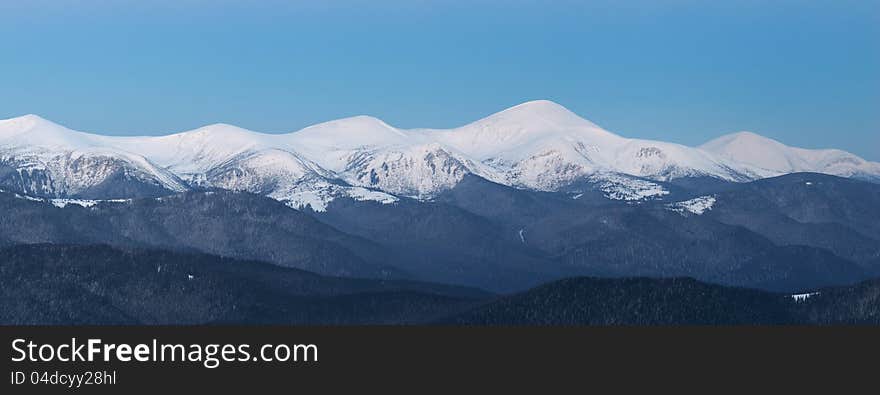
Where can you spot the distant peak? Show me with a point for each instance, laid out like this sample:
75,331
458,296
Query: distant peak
355,125
220,128
31,117
747,134
740,137
539,107
28,118
357,121
27,123
540,104
540,114
220,125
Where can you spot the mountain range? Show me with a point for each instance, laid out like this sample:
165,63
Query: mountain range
531,195
538,146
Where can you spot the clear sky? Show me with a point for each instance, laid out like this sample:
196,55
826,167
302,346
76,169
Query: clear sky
804,72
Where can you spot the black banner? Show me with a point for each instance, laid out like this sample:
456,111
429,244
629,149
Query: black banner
432,358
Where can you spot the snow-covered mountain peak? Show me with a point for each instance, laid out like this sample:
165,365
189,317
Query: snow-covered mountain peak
523,131
197,150
549,110
335,145
536,116
52,160
218,134
756,150
33,130
743,139
349,133
358,124
215,134
218,130
24,122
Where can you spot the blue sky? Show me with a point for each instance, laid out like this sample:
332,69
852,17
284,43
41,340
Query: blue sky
804,72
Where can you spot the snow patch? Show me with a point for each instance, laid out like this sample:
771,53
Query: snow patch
61,203
803,297
617,187
364,194
31,198
698,205
317,198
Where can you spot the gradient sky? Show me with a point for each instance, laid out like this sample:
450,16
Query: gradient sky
804,72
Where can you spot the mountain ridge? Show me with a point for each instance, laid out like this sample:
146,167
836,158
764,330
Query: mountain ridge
101,285
537,145
765,152
784,234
